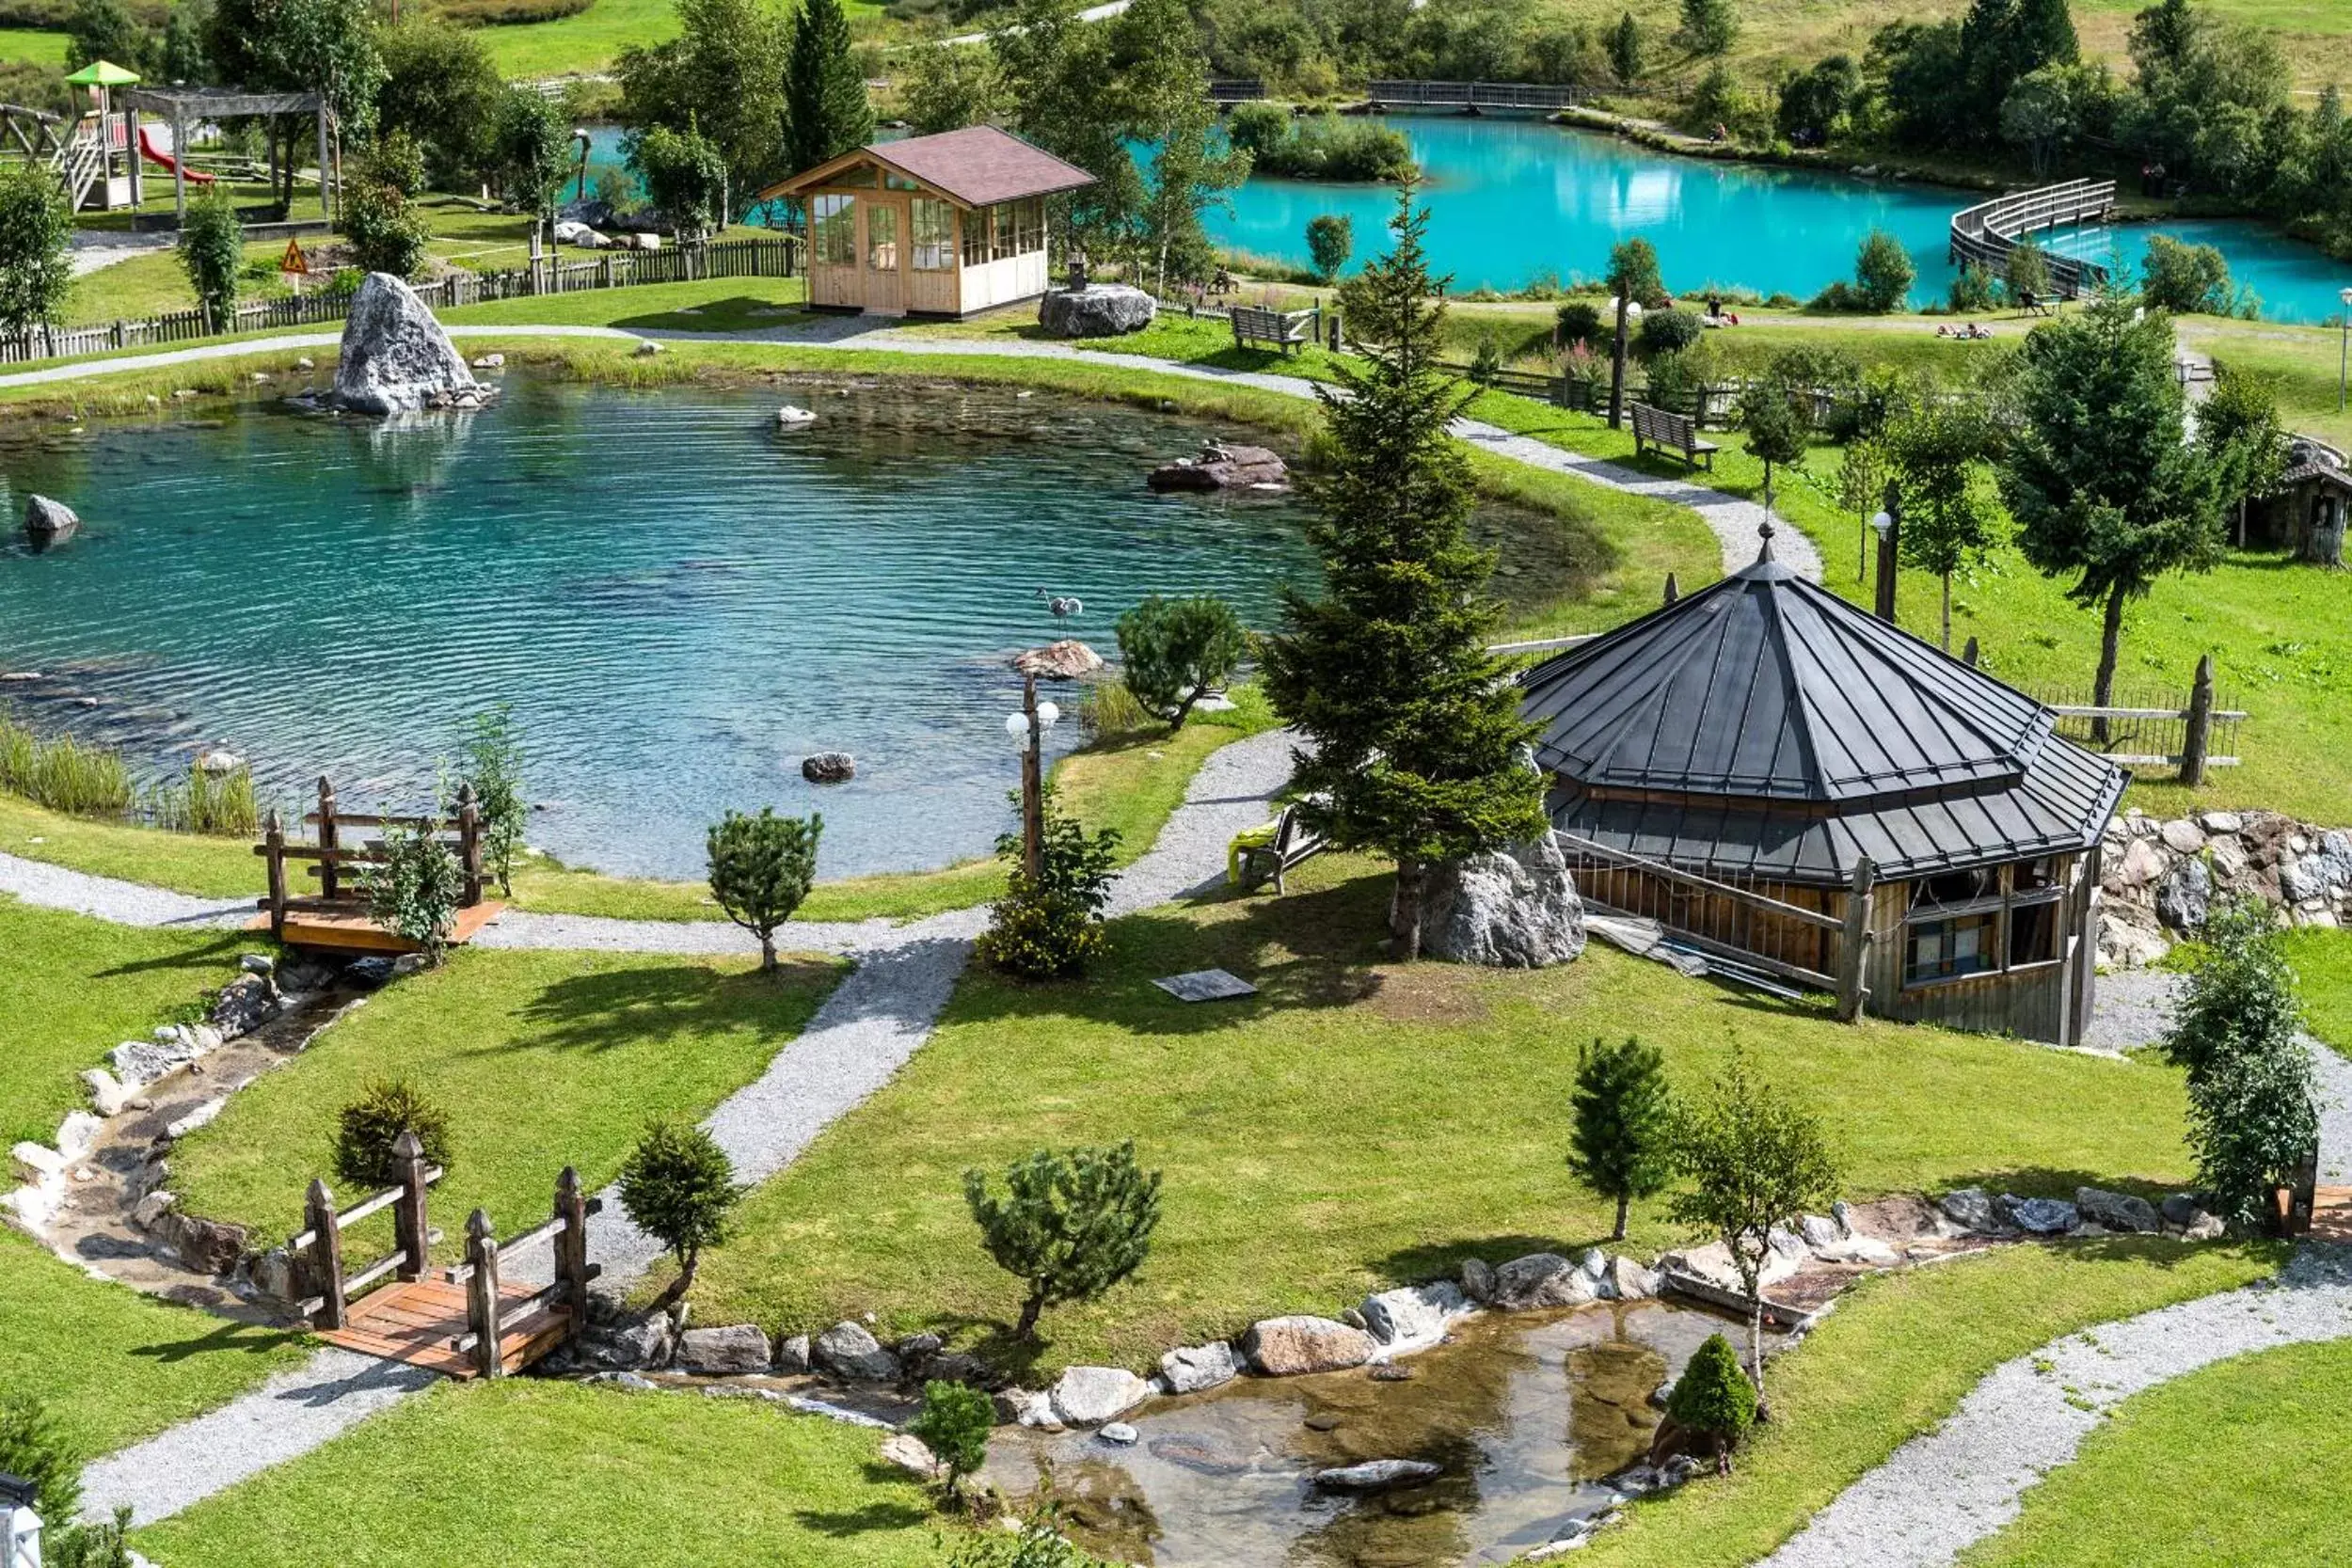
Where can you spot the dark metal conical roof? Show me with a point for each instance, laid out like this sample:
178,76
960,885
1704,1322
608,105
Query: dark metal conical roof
1766,726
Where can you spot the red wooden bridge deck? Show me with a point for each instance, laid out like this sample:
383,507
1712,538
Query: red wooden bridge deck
420,1324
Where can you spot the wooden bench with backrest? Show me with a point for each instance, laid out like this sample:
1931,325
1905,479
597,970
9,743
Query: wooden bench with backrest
1294,842
1678,433
1285,329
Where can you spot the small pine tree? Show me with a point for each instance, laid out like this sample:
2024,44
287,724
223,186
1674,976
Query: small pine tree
1071,1224
1882,272
1624,50
34,1447
211,252
366,1129
761,868
1713,1398
1622,1146
1173,652
1709,27
678,1187
2237,1033
1330,239
954,1424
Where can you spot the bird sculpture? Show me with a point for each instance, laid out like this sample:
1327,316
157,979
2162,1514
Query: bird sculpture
1062,608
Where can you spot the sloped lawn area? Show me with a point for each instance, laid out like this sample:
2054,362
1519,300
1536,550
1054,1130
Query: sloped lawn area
2246,1462
540,1059
2323,972
1356,1124
557,1476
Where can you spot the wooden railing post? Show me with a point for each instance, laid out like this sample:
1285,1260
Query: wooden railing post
274,855
1969,654
470,842
1674,589
326,1252
482,1295
1853,946
2195,743
329,882
411,1231
571,1249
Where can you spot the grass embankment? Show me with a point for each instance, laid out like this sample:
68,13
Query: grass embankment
1356,1124
559,1476
540,1060
590,40
2244,1461
2304,365
2323,970
1895,1358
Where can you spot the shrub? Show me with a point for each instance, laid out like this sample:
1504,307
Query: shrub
34,1448
1578,322
1318,147
366,1129
2185,278
1713,1397
35,230
386,234
1257,125
211,252
219,804
1676,380
2025,271
1051,927
685,178
494,767
1882,272
678,1187
1040,1542
63,774
395,160
761,868
1330,239
955,1422
1108,708
1173,652
1622,1145
1072,1223
1972,288
1665,332
414,891
2236,1032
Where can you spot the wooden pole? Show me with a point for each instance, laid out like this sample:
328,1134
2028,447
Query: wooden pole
470,842
327,209
1854,945
331,882
1032,787
482,1295
1969,654
1674,590
571,1250
326,1252
1890,543
274,855
2194,745
411,1229
179,164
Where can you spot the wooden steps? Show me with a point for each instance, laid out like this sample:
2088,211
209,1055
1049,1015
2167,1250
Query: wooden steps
417,1322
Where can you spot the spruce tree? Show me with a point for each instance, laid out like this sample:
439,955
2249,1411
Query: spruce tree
1623,1142
1413,727
825,110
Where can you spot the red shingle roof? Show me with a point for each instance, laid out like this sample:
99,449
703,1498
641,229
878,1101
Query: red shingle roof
978,166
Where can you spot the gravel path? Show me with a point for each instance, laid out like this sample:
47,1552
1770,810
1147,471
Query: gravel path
124,903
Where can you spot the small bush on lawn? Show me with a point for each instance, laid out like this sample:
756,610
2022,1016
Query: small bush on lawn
761,868
1109,708
1174,652
2250,1083
1665,332
385,233
1972,290
1038,1544
1330,238
679,1186
1072,1223
1714,1397
1050,926
414,891
494,767
211,252
1579,322
366,1129
954,1424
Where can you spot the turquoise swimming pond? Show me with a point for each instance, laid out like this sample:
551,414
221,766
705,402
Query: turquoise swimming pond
680,601
1511,200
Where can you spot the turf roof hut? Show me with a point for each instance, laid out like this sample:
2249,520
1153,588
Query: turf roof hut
1782,779
941,225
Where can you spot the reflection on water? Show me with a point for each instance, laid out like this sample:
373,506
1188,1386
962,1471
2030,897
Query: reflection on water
1523,1413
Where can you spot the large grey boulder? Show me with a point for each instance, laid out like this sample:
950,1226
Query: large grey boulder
1097,310
1189,1368
1089,1396
1971,1208
629,1342
1542,1279
2118,1211
847,1350
48,522
2041,1217
1413,1314
1509,909
728,1351
395,357
1286,1347
1222,466
2186,895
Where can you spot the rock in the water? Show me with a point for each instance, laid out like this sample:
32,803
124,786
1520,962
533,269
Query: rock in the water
1413,1314
1631,1281
728,1351
1542,1279
1097,310
395,357
1190,1368
1119,1432
1971,1208
1514,909
847,1350
1478,1279
2041,1217
1375,1474
48,522
107,1097
243,1004
911,1454
1089,1396
218,761
1223,466
1286,1347
2118,1211
829,768
2186,895
1865,1250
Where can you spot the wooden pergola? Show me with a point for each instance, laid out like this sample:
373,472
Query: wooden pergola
184,106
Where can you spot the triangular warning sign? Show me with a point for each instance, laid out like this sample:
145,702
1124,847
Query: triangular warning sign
294,263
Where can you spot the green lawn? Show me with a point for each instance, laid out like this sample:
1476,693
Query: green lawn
540,1059
2248,1461
26,43
559,1476
73,988
2304,363
1357,1124
1897,1357
592,40
114,1366
2323,968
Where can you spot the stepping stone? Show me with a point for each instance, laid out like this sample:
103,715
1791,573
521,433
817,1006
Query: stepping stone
1205,985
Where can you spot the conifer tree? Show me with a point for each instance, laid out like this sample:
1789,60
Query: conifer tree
1414,731
825,110
1623,1142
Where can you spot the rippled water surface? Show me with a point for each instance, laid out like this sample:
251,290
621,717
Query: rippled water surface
680,601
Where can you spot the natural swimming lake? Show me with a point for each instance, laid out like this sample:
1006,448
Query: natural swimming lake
1511,200
680,601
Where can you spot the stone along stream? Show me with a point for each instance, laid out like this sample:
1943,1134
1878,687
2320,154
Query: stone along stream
680,601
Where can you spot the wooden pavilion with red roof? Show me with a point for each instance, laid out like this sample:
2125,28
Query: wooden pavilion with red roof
934,226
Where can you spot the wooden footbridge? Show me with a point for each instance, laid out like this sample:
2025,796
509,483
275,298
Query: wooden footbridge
464,1322
336,918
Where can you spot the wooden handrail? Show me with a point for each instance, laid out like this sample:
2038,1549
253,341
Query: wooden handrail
2069,710
1690,879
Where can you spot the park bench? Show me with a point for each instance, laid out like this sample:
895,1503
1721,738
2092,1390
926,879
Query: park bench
1284,329
1657,428
1292,841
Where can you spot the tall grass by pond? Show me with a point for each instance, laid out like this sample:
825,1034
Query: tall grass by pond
82,780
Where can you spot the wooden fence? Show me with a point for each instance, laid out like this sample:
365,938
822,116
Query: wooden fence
2152,729
776,257
321,1246
1471,96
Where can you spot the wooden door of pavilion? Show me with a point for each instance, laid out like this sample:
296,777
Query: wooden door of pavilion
883,253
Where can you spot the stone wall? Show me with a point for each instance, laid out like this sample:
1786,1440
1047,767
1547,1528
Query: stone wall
2159,877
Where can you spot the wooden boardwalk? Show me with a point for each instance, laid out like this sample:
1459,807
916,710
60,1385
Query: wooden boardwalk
418,1322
